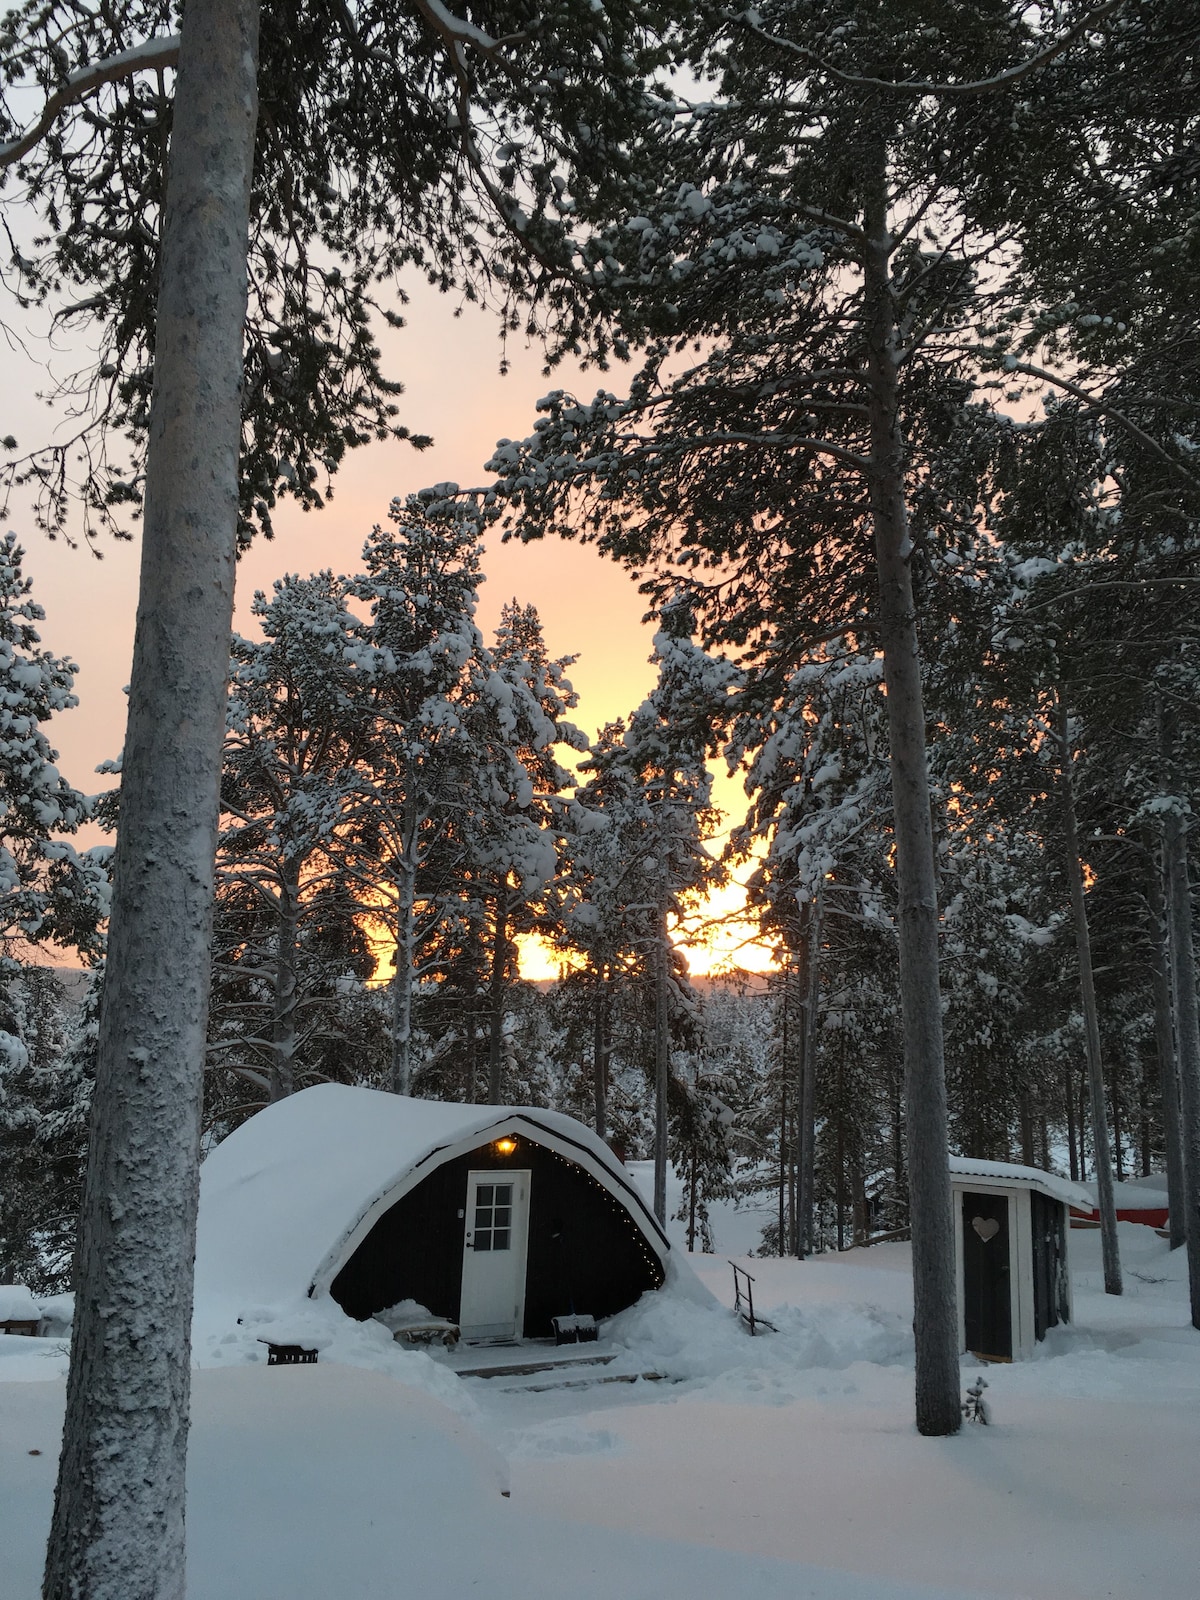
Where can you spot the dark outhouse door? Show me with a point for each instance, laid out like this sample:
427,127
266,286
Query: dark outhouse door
1049,1267
987,1287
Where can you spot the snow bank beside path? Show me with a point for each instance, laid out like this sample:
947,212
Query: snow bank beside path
712,1350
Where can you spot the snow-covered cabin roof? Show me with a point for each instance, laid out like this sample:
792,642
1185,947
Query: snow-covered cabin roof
292,1192
1009,1175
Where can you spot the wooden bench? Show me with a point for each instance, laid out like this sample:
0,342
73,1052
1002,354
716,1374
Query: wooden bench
435,1331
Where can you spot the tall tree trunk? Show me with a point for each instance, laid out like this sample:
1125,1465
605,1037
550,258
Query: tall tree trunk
1187,1020
808,1089
662,1068
1069,1099
118,1526
1118,1124
783,1116
1145,1142
1025,1121
472,1006
840,1196
600,1053
800,1112
284,999
402,982
497,989
1164,1042
935,1320
1091,1021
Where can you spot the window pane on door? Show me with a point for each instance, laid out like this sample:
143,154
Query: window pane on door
493,1216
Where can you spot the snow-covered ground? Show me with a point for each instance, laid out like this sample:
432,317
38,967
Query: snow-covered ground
785,1465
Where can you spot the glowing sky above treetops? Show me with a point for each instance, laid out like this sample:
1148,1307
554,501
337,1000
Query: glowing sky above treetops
589,606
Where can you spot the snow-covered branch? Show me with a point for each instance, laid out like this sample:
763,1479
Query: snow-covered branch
1103,407
456,33
152,55
979,86
820,447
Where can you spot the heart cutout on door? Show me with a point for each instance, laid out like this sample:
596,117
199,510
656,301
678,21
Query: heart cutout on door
986,1227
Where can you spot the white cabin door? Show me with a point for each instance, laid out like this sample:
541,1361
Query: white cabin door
494,1249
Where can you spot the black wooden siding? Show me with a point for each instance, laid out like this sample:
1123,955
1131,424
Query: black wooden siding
1048,1219
585,1249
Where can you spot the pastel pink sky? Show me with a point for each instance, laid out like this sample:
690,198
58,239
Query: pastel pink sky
589,606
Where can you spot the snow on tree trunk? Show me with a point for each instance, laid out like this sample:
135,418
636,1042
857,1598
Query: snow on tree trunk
285,997
1187,1032
1164,1039
118,1527
1101,1148
935,1322
662,1067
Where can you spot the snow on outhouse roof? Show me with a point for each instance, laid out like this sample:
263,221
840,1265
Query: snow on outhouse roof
288,1196
1009,1175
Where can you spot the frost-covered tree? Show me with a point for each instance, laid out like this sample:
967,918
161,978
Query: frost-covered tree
49,891
816,239
1104,618
44,1093
519,802
299,719
408,806
652,786
391,136
819,825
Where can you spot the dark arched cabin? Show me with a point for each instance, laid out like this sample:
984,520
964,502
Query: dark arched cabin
496,1218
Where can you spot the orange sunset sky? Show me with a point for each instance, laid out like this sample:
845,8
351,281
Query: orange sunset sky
449,365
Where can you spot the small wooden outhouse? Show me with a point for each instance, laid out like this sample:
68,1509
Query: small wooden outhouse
1012,1232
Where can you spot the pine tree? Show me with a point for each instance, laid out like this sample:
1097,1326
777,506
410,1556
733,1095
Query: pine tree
49,892
299,718
520,803
818,234
395,136
409,810
44,1092
659,812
